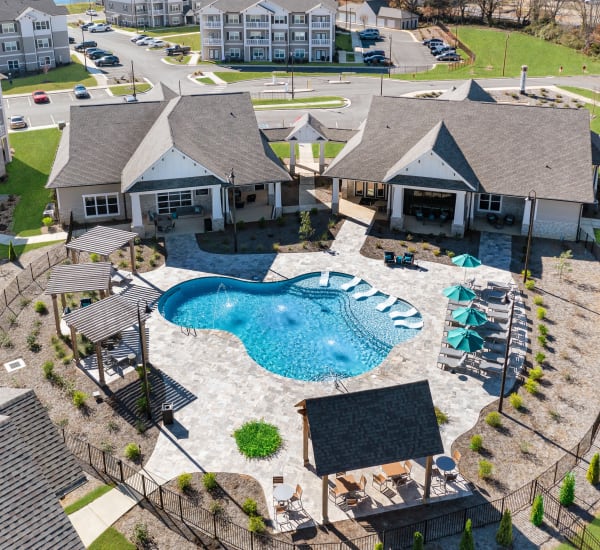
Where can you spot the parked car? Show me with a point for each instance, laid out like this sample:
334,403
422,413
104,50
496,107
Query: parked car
130,99
86,26
369,34
429,41
39,96
91,12
17,121
80,91
100,27
90,51
177,50
98,54
371,53
157,43
85,45
442,49
145,41
378,60
107,60
435,45
137,37
448,56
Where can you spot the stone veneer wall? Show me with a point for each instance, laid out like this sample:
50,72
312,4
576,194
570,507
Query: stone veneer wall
555,230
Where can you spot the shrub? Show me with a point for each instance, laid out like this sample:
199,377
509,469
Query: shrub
516,401
276,247
47,221
209,480
593,471
530,284
250,507
184,482
262,223
133,452
541,313
257,439
543,329
450,254
494,419
141,537
256,524
32,343
466,541
216,508
531,386
485,469
94,257
538,300
378,546
504,535
79,398
418,541
537,511
48,368
542,340
567,490
476,443
142,405
441,416
536,373
540,357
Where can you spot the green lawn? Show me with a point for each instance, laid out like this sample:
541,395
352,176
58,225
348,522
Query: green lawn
61,78
247,75
174,59
282,149
80,7
597,235
313,102
167,31
594,529
206,80
343,42
332,149
585,92
27,174
543,58
111,539
22,248
191,40
127,89
89,497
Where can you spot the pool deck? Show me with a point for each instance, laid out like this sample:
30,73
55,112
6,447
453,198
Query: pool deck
224,387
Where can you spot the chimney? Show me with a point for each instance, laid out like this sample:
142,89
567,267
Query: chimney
523,79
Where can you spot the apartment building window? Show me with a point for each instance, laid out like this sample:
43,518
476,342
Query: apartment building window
105,204
278,37
255,35
299,54
125,7
175,20
278,54
44,61
279,19
42,25
233,18
298,19
234,35
42,42
7,28
214,54
169,202
13,65
12,46
234,53
298,37
491,203
255,19
175,8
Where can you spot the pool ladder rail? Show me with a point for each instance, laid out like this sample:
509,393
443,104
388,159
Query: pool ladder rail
189,331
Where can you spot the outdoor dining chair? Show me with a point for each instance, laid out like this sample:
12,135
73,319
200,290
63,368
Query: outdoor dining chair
380,481
296,499
282,516
363,485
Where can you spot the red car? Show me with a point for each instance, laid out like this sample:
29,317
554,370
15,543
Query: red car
39,96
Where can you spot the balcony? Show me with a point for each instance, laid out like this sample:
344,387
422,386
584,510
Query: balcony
211,24
320,41
257,24
257,42
321,25
212,41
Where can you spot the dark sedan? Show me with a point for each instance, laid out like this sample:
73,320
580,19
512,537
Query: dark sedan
98,54
378,60
107,60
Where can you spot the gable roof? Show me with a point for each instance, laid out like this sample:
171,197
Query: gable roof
396,13
307,121
11,9
509,148
376,5
41,440
297,6
372,427
470,90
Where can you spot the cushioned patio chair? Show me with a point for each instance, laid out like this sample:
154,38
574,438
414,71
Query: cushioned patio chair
408,258
389,258
419,215
509,219
251,198
85,302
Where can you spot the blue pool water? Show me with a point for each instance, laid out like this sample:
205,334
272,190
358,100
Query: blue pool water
294,328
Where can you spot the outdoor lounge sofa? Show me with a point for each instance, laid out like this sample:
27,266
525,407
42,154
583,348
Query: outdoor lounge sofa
389,258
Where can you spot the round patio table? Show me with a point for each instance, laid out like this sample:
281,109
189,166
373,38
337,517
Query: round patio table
445,463
283,492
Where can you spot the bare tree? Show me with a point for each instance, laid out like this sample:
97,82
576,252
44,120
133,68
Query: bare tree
459,7
553,7
522,10
590,19
488,7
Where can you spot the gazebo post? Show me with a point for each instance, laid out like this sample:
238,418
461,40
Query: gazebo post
132,256
63,300
73,256
427,489
74,345
100,364
325,499
305,438
56,318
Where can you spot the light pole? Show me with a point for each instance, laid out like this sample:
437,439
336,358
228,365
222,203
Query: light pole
505,52
133,81
390,65
231,182
84,49
532,196
148,311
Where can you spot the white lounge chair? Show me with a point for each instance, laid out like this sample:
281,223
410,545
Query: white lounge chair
324,280
359,295
351,284
398,314
387,304
409,323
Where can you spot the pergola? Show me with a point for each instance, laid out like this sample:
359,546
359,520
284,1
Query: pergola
103,241
357,430
77,278
104,319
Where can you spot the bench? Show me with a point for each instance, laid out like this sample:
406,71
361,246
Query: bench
186,211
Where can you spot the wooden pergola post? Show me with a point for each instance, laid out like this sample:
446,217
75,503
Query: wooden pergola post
100,364
427,488
74,345
325,499
132,256
56,317
73,256
63,300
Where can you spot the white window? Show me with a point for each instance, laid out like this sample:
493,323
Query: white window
279,20
258,53
44,61
41,25
234,35
10,46
105,204
169,202
234,53
298,19
175,8
233,18
490,203
13,64
278,54
42,42
175,21
299,54
278,37
298,37
8,28
214,54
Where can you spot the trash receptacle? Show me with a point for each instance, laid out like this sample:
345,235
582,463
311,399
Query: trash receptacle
207,225
61,124
167,413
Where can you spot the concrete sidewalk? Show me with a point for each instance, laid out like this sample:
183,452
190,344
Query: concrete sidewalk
47,238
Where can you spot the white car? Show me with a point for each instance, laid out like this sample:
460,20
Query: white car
99,27
91,12
157,43
137,37
145,41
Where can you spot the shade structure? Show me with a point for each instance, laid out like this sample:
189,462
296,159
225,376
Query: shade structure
466,260
459,293
469,316
465,340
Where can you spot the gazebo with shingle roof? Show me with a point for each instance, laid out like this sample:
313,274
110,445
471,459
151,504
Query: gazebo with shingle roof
357,430
104,241
77,278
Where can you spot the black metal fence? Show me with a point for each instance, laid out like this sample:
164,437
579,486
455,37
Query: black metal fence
235,536
589,242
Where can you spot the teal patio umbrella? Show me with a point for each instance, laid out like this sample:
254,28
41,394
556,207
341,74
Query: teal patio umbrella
466,260
470,316
459,293
465,340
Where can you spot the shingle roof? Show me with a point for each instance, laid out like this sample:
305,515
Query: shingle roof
41,440
368,428
307,121
236,6
332,134
509,148
395,13
595,148
11,9
31,517
469,90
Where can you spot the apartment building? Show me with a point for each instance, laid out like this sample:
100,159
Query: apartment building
33,36
270,30
145,13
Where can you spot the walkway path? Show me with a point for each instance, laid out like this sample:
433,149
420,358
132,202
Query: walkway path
495,250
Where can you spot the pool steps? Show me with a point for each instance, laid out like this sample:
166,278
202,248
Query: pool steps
366,294
408,313
387,304
409,323
351,284
324,280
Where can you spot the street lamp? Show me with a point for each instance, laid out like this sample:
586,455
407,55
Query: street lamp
532,196
84,48
505,52
231,182
148,311
133,81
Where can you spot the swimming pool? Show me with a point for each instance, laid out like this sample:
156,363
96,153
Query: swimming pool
295,328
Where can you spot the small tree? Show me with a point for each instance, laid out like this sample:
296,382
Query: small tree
537,511
306,228
593,472
563,264
12,255
504,536
417,541
567,490
466,541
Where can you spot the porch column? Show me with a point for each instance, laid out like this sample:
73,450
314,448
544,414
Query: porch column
278,208
218,223
458,224
427,488
335,196
137,222
271,193
472,209
292,157
527,217
321,156
74,345
397,215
